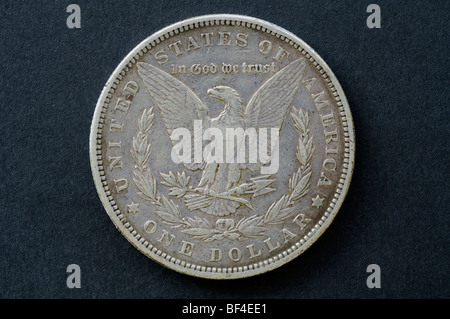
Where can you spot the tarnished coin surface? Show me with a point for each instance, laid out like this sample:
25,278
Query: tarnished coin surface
222,146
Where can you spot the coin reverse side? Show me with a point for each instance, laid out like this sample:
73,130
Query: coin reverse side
222,146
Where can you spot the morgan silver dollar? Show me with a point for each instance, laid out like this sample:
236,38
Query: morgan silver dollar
222,146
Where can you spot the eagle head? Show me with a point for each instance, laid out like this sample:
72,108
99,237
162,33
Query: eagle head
224,94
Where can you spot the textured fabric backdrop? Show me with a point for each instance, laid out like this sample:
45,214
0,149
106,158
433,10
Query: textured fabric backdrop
396,214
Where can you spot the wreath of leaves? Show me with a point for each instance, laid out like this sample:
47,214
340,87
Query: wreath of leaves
200,228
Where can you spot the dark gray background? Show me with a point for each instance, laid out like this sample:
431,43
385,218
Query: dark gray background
395,215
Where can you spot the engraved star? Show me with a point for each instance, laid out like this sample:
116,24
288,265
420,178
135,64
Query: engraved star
133,208
317,201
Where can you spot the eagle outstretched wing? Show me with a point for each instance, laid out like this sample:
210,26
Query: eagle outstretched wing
179,106
268,106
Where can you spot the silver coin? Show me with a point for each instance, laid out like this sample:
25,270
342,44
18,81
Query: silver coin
222,146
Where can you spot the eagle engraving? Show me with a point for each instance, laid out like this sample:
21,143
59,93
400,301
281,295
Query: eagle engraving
179,107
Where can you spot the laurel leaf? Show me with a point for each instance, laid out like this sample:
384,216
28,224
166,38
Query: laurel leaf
280,211
148,151
178,192
134,150
169,180
282,216
293,180
274,210
133,154
304,117
302,155
253,231
170,212
172,208
213,237
183,180
232,236
244,222
146,184
301,188
141,122
142,145
168,217
309,149
198,231
197,222
298,123
146,121
149,120
268,216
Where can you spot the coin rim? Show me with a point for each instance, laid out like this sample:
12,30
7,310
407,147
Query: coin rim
109,203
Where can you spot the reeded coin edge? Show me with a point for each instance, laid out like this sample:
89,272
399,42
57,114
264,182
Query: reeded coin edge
133,235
